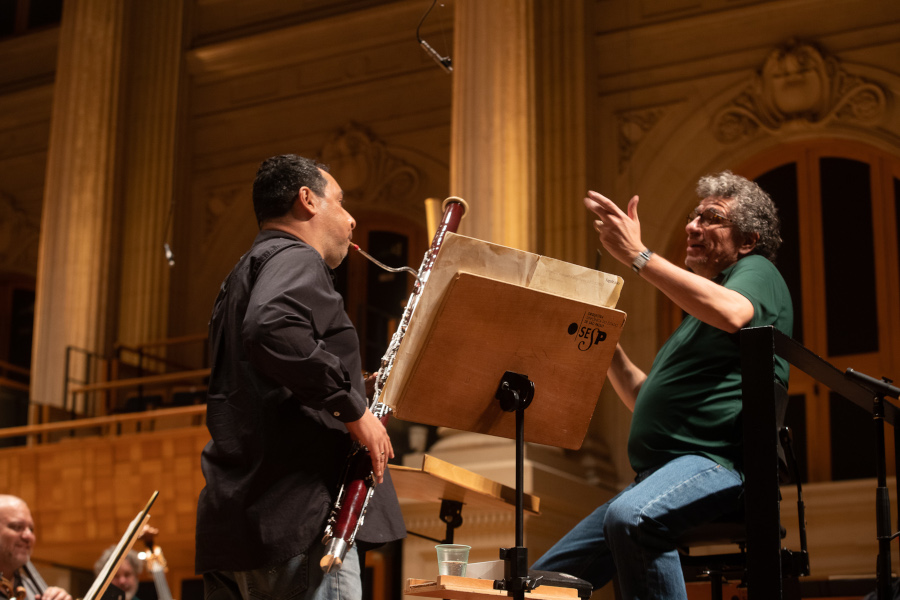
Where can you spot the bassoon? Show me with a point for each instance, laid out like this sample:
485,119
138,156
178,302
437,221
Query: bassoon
358,481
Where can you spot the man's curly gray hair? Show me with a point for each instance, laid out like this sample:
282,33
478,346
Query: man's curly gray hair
751,209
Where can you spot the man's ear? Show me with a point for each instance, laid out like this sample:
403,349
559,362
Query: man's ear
749,244
306,204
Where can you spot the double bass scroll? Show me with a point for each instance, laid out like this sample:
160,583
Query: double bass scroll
157,564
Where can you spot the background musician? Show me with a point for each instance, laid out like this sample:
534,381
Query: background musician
16,544
126,577
286,394
685,440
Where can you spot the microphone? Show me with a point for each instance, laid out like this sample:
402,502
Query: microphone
444,61
170,258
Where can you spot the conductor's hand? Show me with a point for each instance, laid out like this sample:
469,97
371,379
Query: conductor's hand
620,233
53,593
369,431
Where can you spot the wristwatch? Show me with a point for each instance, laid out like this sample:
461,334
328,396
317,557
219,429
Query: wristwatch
641,260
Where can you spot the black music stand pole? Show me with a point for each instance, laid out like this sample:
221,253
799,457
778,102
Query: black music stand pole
880,389
515,393
882,506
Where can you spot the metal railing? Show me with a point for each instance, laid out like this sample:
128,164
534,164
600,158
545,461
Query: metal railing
108,425
14,376
94,383
86,363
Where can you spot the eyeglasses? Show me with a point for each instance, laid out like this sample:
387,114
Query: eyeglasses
709,217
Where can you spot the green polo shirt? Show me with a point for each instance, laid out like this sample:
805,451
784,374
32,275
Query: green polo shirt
691,400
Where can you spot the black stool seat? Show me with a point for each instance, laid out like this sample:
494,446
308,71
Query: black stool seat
730,528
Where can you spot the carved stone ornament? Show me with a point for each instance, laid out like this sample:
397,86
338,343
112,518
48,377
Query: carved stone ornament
19,237
799,88
631,128
368,173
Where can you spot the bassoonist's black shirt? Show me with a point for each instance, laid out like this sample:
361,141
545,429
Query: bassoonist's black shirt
286,376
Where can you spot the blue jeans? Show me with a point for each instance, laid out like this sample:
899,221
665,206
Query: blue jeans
300,578
632,537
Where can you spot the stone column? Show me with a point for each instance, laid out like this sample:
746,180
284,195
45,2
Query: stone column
518,156
154,59
78,219
102,273
492,156
562,130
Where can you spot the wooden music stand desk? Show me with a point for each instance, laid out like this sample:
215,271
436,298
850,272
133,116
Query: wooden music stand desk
498,331
466,588
454,487
475,321
439,480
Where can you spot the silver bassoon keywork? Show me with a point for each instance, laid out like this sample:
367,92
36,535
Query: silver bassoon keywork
358,481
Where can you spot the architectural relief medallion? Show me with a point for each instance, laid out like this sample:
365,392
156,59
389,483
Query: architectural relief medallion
19,237
799,87
631,128
369,174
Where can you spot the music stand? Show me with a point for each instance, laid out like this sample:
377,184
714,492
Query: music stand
122,548
488,347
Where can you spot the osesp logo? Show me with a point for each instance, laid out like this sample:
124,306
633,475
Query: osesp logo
586,337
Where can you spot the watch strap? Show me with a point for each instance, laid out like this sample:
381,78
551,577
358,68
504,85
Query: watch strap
641,260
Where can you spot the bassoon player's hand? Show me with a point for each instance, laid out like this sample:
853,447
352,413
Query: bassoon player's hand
369,431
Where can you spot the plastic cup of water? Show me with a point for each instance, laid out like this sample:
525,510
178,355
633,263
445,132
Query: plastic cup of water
452,559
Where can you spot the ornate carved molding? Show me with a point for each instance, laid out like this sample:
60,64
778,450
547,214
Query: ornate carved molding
19,234
371,176
799,87
631,128
369,173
